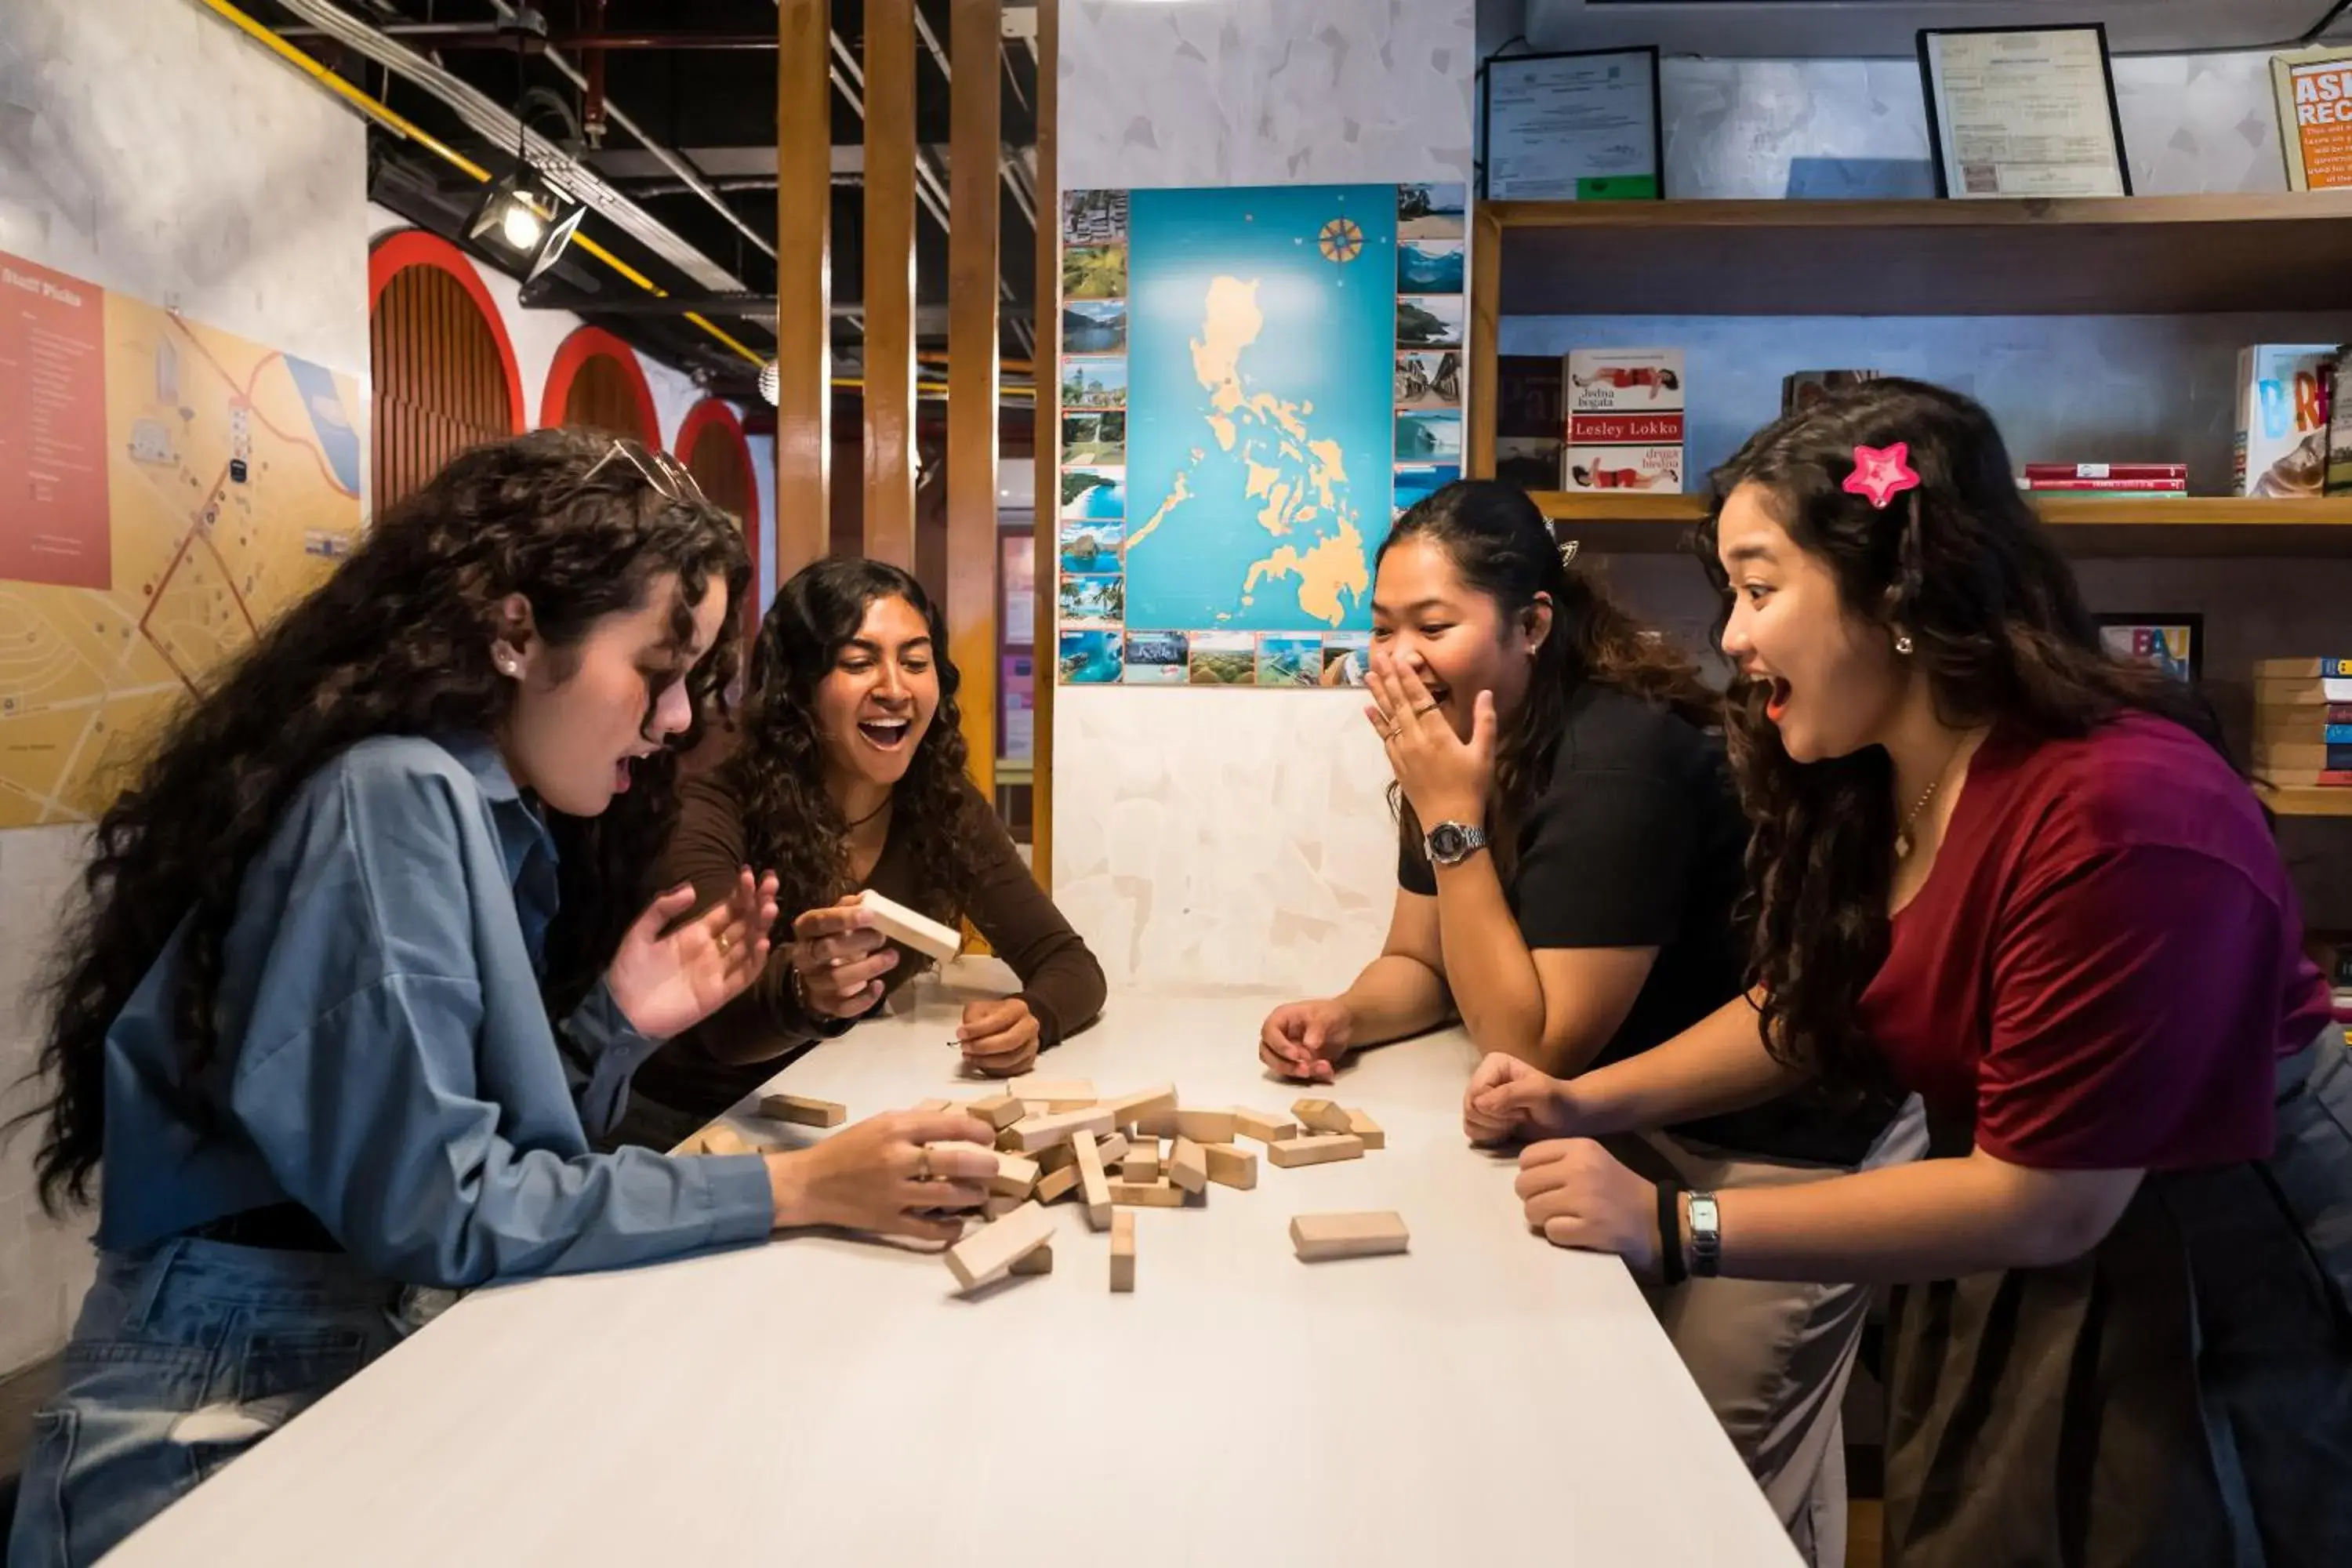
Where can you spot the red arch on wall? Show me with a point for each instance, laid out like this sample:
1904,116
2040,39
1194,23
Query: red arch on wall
584,345
712,411
397,252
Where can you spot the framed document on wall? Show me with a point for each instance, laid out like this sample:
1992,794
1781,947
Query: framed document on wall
1578,127
2022,111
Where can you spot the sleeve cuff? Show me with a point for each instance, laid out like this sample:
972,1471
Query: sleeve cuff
603,1032
742,1205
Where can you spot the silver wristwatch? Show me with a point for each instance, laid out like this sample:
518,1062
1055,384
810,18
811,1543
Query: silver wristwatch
1707,1236
1451,842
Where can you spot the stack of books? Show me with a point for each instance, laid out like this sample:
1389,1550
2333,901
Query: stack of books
2108,478
2303,720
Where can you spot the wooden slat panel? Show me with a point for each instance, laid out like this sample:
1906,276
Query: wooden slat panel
890,243
1047,375
974,127
439,383
803,283
1486,324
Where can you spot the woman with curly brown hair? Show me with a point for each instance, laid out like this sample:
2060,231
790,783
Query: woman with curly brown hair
849,773
1568,857
301,1022
1997,867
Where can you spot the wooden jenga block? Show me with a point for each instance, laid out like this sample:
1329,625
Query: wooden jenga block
1317,1237
1038,1260
1078,1091
991,1250
1262,1126
1060,1157
1205,1126
932,1105
1147,1195
1038,1132
1156,1123
802,1112
915,929
1111,1150
1122,1250
1187,1167
999,1110
1142,1163
1320,1150
1365,1128
998,1206
1093,1187
1143,1102
1015,1174
1320,1115
1230,1166
1055,1185
717,1139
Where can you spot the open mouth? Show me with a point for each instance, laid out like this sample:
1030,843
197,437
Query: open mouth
885,735
1778,703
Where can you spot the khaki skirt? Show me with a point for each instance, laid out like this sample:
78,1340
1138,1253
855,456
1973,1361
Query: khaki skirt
2181,1394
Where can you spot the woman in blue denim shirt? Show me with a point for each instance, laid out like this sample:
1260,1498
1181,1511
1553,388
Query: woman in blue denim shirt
302,1019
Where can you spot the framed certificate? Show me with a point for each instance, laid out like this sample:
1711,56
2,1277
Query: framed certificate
2022,111
1578,126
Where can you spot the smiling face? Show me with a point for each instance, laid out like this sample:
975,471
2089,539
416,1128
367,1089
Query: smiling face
583,714
1837,683
875,705
1459,640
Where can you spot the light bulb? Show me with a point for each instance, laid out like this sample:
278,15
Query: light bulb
772,382
521,225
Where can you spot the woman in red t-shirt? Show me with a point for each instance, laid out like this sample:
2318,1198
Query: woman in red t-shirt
1998,867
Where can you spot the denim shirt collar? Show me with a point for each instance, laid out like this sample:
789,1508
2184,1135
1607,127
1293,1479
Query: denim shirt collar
522,828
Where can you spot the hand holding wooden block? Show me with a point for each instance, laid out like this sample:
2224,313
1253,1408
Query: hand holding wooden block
912,928
1317,1237
993,1248
802,1112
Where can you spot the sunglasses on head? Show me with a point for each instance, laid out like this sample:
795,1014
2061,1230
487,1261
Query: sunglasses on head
667,476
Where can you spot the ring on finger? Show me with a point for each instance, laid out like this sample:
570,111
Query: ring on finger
1424,708
923,1162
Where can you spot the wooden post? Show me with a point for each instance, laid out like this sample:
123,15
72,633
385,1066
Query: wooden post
1046,373
1486,324
803,283
974,130
891,281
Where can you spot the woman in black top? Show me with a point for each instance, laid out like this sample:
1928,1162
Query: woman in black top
1569,855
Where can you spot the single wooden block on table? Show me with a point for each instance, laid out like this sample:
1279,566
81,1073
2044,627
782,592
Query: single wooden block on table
999,1110
1317,1237
1365,1128
1187,1167
1206,1126
912,928
1321,1115
1015,1174
1320,1150
802,1112
993,1248
1037,1085
1055,1185
1262,1125
1122,1250
1147,1195
1039,1260
717,1139
1035,1132
1143,1102
1231,1166
1142,1163
1093,1187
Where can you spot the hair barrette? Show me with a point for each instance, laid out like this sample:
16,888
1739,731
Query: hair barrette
1881,473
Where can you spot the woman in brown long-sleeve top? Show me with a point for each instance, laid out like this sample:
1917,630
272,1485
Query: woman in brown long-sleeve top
849,773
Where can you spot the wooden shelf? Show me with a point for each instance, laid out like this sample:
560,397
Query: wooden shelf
2309,800
2086,525
2094,257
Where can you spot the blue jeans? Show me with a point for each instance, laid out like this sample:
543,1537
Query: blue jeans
186,1354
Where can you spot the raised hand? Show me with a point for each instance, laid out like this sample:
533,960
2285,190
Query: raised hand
666,981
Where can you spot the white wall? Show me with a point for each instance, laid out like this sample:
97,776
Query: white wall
148,148
1206,837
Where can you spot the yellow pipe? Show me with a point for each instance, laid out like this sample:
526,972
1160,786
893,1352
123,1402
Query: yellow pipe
384,114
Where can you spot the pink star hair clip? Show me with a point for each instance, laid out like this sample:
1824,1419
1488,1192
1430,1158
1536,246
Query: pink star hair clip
1881,473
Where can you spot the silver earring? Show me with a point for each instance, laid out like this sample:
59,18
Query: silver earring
506,664
1902,642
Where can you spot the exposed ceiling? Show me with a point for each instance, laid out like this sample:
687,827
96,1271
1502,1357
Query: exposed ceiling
1829,28
680,178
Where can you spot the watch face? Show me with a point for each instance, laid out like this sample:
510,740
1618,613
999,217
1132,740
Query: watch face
1446,842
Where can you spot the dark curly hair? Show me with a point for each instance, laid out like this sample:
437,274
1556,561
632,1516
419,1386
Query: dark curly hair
1962,563
397,641
1501,546
777,768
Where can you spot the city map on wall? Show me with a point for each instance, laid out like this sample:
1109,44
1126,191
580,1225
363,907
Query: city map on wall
1254,383
171,489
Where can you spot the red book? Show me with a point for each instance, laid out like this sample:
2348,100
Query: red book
2108,487
2107,472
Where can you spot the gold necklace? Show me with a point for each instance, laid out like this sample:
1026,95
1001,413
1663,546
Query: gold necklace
1902,841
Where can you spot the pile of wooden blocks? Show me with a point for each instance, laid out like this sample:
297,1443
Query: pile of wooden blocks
1058,1140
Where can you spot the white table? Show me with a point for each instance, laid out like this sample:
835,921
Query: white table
825,1400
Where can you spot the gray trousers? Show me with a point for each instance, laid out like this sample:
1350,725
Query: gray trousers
1772,1358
